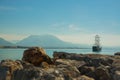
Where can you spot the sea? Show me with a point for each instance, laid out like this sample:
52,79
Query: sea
16,54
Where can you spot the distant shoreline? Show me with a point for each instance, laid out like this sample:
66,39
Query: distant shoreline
24,47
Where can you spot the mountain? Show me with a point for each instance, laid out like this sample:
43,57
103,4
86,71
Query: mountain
14,41
45,41
3,42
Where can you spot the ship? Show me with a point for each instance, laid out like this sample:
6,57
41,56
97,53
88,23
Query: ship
97,47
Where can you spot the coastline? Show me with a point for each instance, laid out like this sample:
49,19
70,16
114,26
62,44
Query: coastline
63,66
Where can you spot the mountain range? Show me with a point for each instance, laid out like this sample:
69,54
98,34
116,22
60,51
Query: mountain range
4,42
41,41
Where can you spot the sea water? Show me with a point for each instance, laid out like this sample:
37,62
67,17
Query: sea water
15,54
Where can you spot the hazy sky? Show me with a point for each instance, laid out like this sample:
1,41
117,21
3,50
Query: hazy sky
76,21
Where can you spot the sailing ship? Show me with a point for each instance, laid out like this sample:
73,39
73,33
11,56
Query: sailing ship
96,47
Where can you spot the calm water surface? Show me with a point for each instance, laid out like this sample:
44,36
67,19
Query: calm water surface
18,53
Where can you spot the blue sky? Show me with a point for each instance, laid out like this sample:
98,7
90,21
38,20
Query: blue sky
64,18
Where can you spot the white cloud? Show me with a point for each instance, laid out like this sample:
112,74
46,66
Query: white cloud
73,27
77,28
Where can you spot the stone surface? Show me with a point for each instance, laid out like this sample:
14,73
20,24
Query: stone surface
36,56
102,73
36,65
90,59
84,78
117,75
88,71
63,71
7,67
117,53
97,66
116,64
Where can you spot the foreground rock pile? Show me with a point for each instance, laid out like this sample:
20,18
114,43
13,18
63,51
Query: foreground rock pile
36,65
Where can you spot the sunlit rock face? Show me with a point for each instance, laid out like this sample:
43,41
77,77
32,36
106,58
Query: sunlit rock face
7,68
36,56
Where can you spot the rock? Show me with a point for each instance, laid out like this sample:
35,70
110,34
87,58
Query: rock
88,71
117,75
36,56
31,73
68,70
102,73
7,67
90,59
84,78
58,72
65,55
96,62
75,63
117,53
116,64
36,65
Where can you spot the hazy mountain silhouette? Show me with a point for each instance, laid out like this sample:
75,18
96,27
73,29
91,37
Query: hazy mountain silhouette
45,41
3,42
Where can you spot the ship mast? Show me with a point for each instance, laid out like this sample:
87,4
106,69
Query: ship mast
96,47
97,40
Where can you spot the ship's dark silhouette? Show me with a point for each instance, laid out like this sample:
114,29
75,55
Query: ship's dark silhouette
96,47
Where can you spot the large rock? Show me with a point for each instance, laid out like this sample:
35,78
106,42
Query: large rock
88,71
117,53
117,75
102,73
90,59
116,68
36,56
7,67
116,64
62,70
84,78
35,65
65,55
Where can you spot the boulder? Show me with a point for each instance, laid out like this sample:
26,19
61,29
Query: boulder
62,71
90,59
83,77
117,75
36,56
102,73
67,68
88,71
30,73
75,63
7,67
65,55
116,64
36,65
117,53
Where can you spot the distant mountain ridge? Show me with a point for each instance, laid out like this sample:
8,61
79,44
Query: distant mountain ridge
41,41
3,42
45,41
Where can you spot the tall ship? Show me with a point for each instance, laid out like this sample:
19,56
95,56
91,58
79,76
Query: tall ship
97,47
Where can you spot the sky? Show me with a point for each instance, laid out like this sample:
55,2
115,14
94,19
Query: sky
76,21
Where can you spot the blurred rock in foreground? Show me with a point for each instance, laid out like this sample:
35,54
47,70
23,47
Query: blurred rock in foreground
37,65
36,56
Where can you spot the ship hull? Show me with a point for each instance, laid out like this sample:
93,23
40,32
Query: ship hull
96,48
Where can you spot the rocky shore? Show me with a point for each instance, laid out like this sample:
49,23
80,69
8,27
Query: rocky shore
37,65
